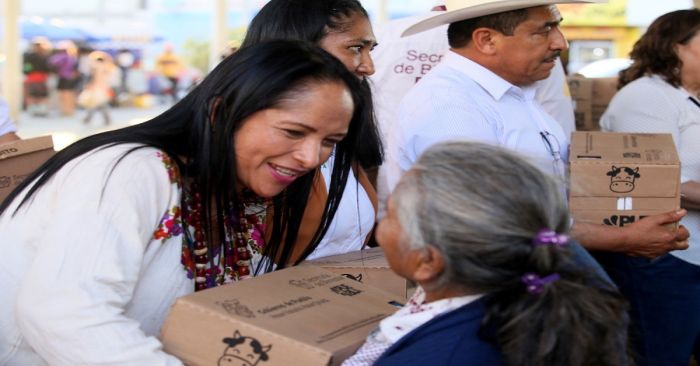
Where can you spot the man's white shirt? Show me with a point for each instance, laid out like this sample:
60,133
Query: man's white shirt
462,100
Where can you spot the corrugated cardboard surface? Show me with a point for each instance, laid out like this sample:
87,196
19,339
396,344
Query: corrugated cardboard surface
20,158
370,267
302,315
591,97
616,178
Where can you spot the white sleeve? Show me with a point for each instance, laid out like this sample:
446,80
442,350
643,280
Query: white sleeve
439,120
636,108
70,307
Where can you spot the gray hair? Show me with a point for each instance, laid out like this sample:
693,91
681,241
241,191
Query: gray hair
481,206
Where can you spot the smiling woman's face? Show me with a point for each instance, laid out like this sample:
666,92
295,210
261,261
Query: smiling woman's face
275,146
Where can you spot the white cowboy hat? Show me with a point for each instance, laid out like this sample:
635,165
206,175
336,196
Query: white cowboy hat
458,10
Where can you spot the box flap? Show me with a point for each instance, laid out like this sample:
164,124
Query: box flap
366,258
592,147
21,147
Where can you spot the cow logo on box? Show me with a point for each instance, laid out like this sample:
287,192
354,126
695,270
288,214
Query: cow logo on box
234,307
243,351
5,181
345,290
622,178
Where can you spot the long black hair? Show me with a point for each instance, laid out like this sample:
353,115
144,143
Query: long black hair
197,133
312,20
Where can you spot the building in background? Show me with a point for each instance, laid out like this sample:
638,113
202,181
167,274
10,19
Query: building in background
609,31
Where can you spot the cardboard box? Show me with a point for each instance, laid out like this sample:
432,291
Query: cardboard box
20,158
618,178
591,97
370,267
303,316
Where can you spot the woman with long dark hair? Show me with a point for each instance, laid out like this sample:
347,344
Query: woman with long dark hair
660,93
499,283
342,28
101,239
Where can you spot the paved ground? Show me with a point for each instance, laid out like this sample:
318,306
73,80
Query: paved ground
66,130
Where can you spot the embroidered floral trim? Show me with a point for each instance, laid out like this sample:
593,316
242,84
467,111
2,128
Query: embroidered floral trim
170,225
173,171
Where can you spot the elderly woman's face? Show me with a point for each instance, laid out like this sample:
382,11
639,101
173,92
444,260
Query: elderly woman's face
689,54
352,46
276,146
388,235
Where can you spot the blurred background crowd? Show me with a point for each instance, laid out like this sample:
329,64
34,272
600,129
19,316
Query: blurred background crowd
57,58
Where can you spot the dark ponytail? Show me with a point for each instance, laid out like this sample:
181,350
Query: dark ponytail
569,323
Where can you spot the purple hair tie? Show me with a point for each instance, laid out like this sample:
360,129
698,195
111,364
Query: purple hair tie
550,237
534,284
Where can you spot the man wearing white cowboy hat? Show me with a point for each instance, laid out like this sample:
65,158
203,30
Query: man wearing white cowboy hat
483,90
400,62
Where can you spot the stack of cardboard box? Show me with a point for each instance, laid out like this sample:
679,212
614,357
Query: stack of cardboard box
591,97
618,178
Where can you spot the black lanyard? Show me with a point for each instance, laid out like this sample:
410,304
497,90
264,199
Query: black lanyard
694,101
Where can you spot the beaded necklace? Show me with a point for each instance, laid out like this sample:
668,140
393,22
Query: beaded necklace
232,258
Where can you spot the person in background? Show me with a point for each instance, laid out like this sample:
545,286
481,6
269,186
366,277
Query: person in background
98,91
483,90
7,128
342,28
503,294
169,66
65,64
125,61
36,69
659,94
99,242
400,62
84,64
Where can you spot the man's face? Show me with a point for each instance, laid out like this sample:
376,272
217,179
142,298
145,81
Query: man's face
529,54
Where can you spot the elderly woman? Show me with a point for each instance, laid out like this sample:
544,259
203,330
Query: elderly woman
659,94
499,283
101,240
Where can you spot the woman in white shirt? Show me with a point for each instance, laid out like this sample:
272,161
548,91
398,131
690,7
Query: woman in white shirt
101,240
659,94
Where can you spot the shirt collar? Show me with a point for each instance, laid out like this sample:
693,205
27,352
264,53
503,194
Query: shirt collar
495,85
